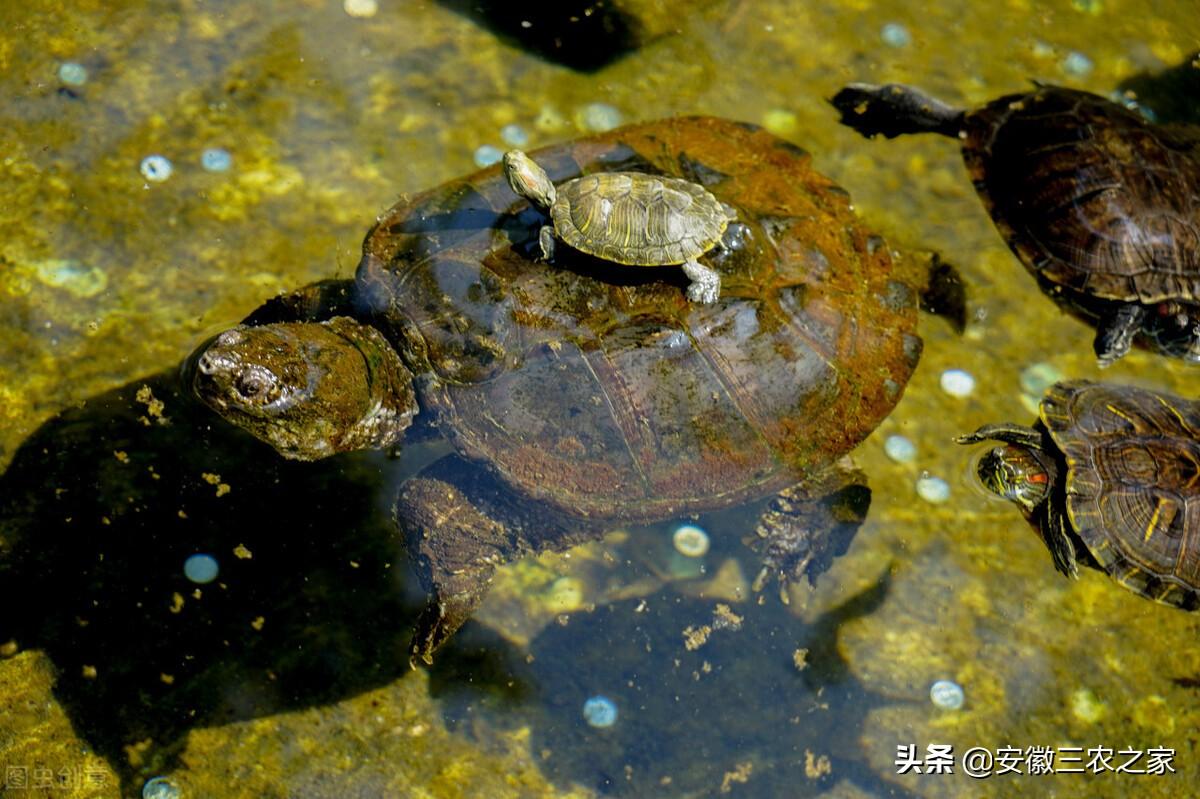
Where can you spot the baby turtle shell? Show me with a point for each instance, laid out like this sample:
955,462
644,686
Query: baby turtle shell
637,219
1109,474
629,218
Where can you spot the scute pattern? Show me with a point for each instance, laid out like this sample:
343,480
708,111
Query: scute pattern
1089,195
637,219
1133,483
611,399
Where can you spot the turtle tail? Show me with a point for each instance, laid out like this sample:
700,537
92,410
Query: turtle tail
894,110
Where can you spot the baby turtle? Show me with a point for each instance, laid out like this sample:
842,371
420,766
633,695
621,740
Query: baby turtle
575,402
630,218
1110,476
1100,205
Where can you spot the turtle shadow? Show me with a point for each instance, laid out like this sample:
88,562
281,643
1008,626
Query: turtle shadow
100,508
1172,95
765,692
580,34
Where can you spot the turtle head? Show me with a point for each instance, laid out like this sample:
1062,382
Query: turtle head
308,389
528,179
1016,473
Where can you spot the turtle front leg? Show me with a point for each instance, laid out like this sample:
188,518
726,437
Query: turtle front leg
807,525
1114,335
546,241
706,283
459,523
1006,432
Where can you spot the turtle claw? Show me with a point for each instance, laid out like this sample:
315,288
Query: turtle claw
806,526
706,283
438,621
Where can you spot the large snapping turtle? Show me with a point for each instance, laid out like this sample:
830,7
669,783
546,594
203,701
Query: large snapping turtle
584,393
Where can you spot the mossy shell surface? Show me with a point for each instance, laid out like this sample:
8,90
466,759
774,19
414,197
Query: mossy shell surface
604,391
1133,483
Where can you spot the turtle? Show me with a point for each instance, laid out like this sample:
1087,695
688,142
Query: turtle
632,218
575,399
1109,475
1100,205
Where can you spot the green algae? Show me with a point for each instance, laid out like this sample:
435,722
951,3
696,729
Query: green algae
105,278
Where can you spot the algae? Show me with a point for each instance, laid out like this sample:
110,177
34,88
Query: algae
106,278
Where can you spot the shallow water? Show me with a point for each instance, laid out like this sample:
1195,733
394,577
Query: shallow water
296,683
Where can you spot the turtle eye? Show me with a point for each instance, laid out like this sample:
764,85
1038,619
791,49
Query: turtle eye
255,385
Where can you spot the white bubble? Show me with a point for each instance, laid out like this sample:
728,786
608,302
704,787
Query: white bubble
156,168
486,155
361,8
599,117
895,35
514,135
201,568
216,159
958,383
600,711
947,695
933,489
690,540
900,449
72,73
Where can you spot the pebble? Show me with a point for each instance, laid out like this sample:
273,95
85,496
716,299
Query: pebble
900,449
514,135
156,168
1077,64
1087,707
216,159
690,540
933,489
780,122
201,568
160,788
486,155
599,117
895,35
947,695
958,383
549,120
600,711
72,73
361,9
1038,377
73,276
565,594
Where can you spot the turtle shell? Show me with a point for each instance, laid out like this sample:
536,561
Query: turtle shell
1091,197
604,391
638,219
1133,483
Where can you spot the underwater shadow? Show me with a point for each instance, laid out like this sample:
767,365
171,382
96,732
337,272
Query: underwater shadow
100,508
1172,95
583,35
767,691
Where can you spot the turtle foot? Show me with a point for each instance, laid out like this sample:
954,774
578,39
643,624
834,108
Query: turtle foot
805,527
706,283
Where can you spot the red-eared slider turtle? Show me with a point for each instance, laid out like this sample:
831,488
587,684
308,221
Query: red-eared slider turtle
577,398
1100,205
1110,476
631,218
